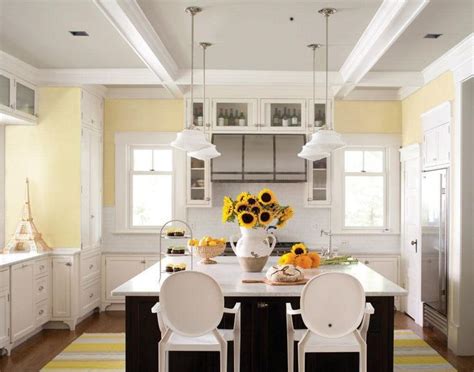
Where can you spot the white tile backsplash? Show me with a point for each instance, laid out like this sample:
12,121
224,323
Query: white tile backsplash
305,226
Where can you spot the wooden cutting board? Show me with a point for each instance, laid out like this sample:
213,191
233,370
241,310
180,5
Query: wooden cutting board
269,282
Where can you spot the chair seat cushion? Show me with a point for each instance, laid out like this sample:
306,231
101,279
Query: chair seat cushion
206,342
318,344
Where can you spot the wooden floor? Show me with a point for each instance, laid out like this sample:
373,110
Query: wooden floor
40,349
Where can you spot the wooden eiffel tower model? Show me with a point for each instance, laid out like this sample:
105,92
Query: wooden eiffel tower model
26,237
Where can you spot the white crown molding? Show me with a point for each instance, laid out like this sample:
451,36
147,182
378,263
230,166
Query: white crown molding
410,152
450,60
389,22
132,24
391,79
96,90
138,93
372,95
406,91
19,68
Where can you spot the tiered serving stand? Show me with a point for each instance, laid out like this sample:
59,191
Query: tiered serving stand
188,234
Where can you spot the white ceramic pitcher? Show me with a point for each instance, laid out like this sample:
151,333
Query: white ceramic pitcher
253,248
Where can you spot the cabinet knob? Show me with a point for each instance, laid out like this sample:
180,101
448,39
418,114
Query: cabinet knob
366,262
208,199
40,288
91,295
92,216
68,264
41,312
91,267
143,262
42,267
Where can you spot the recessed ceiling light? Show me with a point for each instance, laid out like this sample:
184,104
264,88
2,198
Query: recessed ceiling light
432,36
78,33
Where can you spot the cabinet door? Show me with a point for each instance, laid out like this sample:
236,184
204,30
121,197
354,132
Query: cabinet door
199,114
318,116
6,91
22,297
4,317
86,187
444,143
25,98
95,189
387,267
430,145
198,182
118,270
283,115
234,114
62,272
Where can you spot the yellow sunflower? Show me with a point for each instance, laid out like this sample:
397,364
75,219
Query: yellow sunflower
288,213
242,196
265,217
266,196
247,219
240,207
287,258
281,224
227,212
251,199
299,248
256,209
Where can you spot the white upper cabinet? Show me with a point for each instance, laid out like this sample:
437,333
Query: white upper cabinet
234,114
437,136
199,113
18,100
198,183
283,115
319,183
318,116
92,110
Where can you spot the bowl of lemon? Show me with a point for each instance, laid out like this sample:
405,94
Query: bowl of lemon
207,248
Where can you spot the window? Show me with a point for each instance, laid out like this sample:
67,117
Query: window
364,188
151,186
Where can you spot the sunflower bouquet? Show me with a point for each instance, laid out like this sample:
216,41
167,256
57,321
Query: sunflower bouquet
259,210
300,256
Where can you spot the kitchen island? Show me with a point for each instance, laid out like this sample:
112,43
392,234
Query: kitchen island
263,321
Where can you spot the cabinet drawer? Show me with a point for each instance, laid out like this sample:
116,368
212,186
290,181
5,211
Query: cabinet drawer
42,313
41,267
90,267
5,279
90,296
41,289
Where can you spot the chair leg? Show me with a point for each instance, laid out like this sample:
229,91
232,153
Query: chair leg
237,353
162,367
290,352
301,358
224,358
363,358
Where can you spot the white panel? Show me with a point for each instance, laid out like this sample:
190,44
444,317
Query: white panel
62,272
22,297
118,270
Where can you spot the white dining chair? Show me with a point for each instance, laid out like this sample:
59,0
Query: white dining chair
190,309
334,310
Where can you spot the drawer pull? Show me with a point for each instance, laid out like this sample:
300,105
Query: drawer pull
91,295
91,266
262,305
40,288
68,264
42,267
366,262
41,312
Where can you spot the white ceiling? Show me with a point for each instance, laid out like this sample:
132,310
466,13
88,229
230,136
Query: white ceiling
37,32
411,52
258,35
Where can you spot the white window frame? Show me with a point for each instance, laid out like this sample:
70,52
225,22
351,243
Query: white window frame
125,142
384,174
391,143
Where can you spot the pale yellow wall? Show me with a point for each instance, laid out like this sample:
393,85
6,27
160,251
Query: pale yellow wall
368,116
49,155
140,115
432,94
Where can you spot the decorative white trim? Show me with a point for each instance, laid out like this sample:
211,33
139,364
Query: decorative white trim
123,141
410,152
138,93
96,90
19,68
451,60
391,79
406,91
389,22
436,116
132,24
372,95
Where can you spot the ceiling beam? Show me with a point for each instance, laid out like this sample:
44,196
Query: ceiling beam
389,22
132,24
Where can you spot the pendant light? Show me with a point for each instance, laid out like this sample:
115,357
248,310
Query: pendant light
208,152
191,139
326,140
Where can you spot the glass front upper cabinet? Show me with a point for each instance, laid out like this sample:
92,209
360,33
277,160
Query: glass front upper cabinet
234,114
6,82
199,113
198,189
319,183
283,114
25,98
318,116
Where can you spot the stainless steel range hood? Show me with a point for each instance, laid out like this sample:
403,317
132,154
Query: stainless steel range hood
258,158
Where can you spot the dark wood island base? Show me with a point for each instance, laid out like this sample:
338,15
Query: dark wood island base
263,339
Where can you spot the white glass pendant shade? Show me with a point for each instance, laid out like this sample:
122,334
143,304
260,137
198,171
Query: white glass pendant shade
191,140
206,153
326,140
312,154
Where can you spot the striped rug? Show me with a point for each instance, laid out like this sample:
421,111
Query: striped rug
412,354
91,352
106,352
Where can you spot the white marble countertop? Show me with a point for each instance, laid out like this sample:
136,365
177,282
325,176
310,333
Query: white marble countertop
14,258
229,276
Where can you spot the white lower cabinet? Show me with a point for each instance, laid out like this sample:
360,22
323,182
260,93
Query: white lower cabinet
22,300
120,268
5,309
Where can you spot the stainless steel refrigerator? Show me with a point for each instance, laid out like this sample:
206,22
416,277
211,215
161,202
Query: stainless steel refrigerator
434,250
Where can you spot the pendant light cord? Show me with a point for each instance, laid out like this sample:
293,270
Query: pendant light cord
204,86
314,80
192,72
327,69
